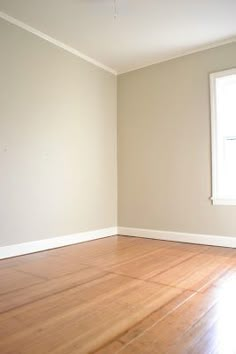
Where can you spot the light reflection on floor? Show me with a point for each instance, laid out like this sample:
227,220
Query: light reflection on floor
224,330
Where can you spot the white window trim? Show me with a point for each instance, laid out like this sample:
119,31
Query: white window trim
216,200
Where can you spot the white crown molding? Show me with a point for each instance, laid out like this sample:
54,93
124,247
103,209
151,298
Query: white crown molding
211,240
54,41
74,51
186,53
54,242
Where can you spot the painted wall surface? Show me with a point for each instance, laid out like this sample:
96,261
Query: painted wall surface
58,153
164,146
58,143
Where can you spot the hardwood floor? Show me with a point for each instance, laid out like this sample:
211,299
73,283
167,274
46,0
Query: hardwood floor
119,295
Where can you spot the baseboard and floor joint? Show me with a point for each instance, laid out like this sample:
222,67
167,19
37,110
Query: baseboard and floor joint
55,242
202,239
61,241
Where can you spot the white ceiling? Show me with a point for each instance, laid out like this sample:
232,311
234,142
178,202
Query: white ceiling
143,33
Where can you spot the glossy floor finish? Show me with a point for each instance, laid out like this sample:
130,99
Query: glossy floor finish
120,295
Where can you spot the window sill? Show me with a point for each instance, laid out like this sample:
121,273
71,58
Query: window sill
223,201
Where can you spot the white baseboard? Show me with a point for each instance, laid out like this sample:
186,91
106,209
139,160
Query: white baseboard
55,242
212,240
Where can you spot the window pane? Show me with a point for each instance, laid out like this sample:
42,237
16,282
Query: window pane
226,136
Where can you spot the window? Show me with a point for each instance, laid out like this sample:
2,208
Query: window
223,122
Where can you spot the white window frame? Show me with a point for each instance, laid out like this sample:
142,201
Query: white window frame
215,199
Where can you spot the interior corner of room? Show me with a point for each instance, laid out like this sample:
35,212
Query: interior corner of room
86,153
117,177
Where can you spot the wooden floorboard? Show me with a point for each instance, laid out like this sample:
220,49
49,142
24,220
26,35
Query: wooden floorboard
119,295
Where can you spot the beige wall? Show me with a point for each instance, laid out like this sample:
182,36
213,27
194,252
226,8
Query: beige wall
57,141
164,152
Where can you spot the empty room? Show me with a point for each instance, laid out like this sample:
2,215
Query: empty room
117,176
